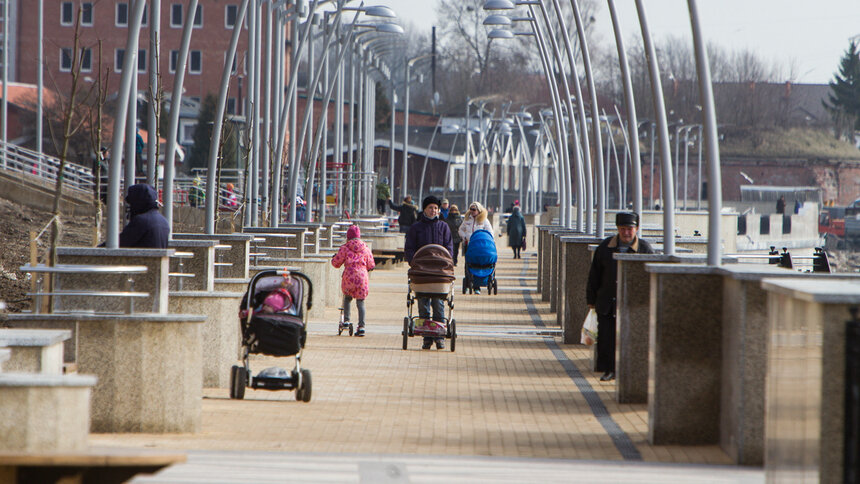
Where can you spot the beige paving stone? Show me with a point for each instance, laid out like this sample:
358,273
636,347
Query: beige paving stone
501,393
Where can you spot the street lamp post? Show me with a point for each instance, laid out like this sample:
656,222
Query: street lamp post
409,64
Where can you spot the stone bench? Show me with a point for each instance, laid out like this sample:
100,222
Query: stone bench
806,419
44,413
154,281
51,299
149,367
231,262
34,350
89,467
199,264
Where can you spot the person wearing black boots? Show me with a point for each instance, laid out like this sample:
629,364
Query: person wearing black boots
602,282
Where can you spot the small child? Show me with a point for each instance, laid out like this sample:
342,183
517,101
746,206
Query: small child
355,282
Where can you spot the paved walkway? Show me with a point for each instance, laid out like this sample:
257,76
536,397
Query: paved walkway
510,405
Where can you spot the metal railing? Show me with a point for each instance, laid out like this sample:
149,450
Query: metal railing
33,163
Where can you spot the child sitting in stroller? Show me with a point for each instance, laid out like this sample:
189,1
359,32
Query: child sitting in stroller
429,229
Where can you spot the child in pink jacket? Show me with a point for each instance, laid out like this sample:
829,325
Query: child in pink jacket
358,260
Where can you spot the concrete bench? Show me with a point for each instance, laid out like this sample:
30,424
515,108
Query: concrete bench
44,413
149,367
34,350
154,281
89,467
232,262
5,354
806,417
113,276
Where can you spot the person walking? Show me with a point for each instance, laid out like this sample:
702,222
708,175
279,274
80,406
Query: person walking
516,231
357,260
429,229
197,195
454,221
602,284
444,209
476,219
383,193
408,213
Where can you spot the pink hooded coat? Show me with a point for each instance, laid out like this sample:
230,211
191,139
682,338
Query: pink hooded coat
357,259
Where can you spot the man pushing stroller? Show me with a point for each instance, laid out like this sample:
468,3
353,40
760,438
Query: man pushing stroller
429,229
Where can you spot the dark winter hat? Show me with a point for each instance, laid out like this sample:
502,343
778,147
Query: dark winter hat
627,219
430,199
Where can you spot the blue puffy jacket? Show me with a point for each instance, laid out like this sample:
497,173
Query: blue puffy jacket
426,231
147,227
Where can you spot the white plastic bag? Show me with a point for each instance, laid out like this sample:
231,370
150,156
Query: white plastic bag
589,328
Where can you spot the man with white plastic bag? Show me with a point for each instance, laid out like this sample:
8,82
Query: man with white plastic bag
589,329
600,292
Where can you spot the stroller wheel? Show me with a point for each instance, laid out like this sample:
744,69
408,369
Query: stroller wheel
495,288
238,381
453,328
339,330
465,288
303,394
405,332
351,329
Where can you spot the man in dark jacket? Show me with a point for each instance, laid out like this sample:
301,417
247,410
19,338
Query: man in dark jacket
147,227
602,286
429,229
408,213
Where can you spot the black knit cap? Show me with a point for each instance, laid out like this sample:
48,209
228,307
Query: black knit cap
627,219
430,199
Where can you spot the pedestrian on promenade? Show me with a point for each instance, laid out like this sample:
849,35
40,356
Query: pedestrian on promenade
357,260
408,213
383,193
516,231
602,282
429,229
475,220
146,228
454,221
444,209
197,197
780,204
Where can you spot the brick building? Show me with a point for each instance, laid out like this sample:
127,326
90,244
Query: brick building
107,21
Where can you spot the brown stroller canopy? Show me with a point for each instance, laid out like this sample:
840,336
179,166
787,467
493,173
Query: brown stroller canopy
431,263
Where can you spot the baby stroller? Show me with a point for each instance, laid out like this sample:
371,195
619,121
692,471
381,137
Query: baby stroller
431,275
277,333
481,263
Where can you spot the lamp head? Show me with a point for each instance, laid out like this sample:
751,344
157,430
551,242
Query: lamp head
498,5
500,34
497,20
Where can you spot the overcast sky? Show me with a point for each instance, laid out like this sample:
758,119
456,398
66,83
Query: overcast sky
811,33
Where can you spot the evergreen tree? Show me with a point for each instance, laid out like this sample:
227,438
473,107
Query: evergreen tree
199,155
844,97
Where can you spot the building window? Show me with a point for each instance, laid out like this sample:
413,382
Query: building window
87,14
186,136
67,16
118,59
233,68
198,17
230,14
176,15
122,15
86,60
231,105
65,59
174,59
144,20
141,60
196,62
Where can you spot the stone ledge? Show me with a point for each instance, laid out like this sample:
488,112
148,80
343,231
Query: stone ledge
143,317
193,243
213,236
206,294
102,251
45,380
823,290
33,337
